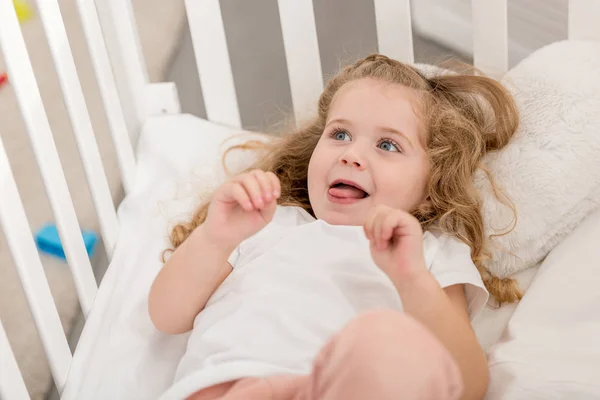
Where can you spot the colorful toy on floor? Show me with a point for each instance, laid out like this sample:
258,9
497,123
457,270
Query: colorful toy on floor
48,241
23,10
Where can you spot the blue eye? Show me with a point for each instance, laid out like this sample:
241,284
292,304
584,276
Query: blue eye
388,145
340,135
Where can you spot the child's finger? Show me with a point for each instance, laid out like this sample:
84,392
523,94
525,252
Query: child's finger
250,183
388,225
240,195
377,231
383,240
374,236
368,226
275,184
265,185
406,223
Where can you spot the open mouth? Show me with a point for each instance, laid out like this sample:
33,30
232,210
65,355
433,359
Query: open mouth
347,190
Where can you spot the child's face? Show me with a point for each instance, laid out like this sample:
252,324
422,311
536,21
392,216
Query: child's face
371,140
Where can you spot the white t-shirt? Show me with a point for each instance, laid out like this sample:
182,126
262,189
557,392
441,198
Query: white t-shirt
294,284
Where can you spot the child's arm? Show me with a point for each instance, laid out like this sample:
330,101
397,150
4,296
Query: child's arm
397,248
186,282
444,312
238,210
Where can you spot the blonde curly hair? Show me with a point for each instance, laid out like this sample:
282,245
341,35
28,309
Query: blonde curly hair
464,116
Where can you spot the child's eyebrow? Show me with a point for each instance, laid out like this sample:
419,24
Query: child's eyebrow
339,120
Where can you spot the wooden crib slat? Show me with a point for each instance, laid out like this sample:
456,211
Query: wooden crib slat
302,55
38,128
82,125
30,270
212,61
12,385
394,29
108,91
584,20
490,36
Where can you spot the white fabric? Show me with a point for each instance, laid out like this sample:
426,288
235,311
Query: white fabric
490,323
294,285
551,347
550,169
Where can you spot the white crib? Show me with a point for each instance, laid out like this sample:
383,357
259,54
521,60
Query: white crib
130,101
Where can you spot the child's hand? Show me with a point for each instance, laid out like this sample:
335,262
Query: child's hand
396,243
242,207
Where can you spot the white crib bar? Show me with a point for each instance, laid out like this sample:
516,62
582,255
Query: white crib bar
12,386
584,20
212,61
30,270
119,31
490,36
82,125
108,91
302,55
36,121
394,29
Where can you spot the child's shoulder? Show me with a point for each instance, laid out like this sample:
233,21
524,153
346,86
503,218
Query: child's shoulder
444,247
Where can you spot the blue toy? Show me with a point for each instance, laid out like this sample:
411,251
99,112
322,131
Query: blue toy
48,241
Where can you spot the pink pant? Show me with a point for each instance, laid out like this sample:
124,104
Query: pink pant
379,355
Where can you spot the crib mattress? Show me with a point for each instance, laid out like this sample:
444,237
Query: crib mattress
120,354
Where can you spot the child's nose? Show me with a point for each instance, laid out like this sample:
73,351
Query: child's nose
352,159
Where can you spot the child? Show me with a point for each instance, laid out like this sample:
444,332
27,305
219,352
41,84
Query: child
347,263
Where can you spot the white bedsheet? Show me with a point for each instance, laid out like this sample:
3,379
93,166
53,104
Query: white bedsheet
120,354
551,347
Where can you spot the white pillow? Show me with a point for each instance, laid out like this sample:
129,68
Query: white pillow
551,168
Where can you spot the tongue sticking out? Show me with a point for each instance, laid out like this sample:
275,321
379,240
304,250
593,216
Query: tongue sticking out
347,191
